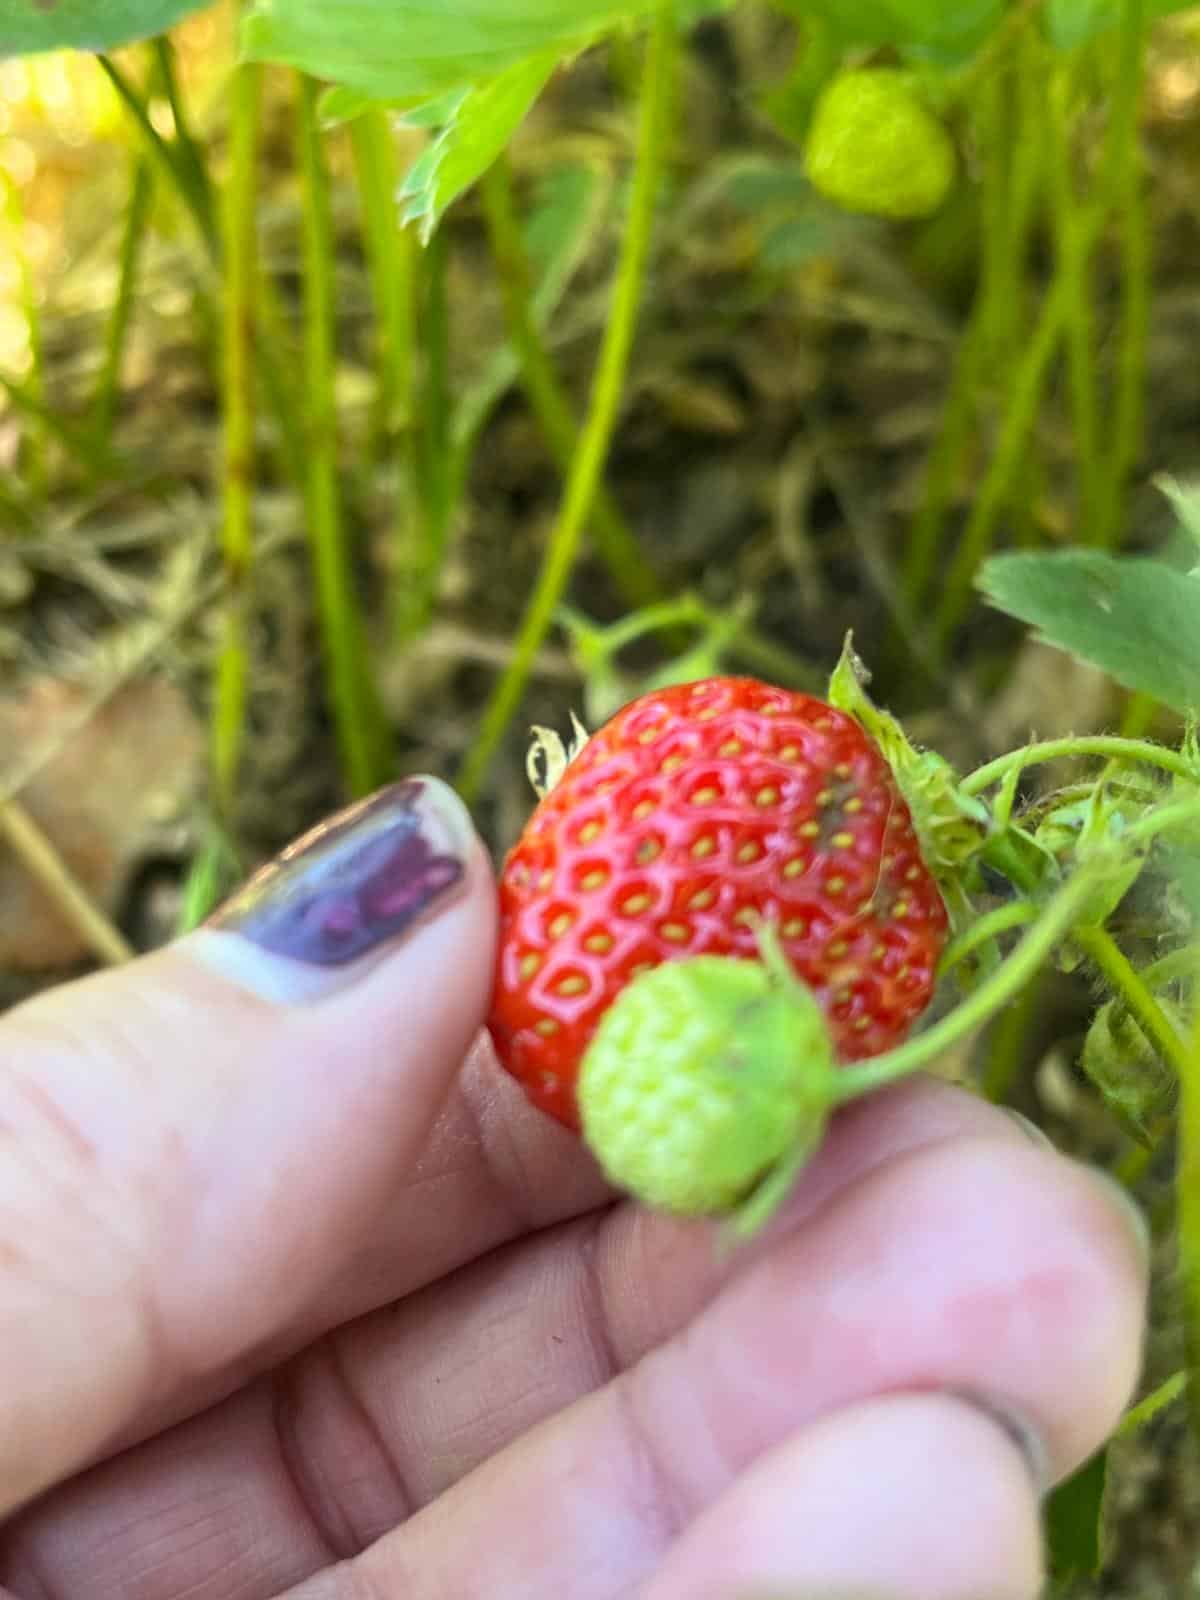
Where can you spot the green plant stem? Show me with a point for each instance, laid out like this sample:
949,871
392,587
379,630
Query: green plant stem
356,714
96,459
392,264
1177,966
1074,263
406,421
1106,746
1187,1205
1126,199
1150,1405
1007,1044
676,617
998,990
945,463
1009,189
1138,715
423,553
237,533
1004,918
188,152
998,270
1029,138
137,215
191,182
1179,814
588,462
1101,948
1024,397
615,542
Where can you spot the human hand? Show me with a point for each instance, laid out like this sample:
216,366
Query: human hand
292,1304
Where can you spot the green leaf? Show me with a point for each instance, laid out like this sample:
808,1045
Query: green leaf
932,29
1137,620
1075,1522
411,49
27,26
1185,499
338,105
1073,22
482,121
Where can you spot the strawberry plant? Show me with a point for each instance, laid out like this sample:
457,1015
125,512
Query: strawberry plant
700,815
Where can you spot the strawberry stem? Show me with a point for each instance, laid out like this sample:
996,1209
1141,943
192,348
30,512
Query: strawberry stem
1102,745
998,990
1101,948
1014,915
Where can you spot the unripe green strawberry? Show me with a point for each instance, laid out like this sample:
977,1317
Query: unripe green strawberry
707,1083
874,146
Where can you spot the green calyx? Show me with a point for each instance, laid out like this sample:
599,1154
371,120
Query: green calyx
707,1085
874,146
953,827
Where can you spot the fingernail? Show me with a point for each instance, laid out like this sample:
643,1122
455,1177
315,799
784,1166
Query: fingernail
309,922
1032,1132
1023,1435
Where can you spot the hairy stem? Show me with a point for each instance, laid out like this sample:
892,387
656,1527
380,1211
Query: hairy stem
588,463
1106,746
1002,920
1101,948
996,991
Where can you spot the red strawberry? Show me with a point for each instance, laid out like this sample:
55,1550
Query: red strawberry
693,814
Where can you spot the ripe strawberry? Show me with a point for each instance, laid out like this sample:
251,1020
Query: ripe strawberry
696,814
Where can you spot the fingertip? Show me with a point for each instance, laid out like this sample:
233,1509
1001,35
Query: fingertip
904,1497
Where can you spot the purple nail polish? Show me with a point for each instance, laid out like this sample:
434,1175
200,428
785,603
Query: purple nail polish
359,879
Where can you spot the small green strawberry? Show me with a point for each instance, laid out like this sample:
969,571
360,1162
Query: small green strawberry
874,146
707,1085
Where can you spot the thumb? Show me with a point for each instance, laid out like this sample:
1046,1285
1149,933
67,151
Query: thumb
191,1146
